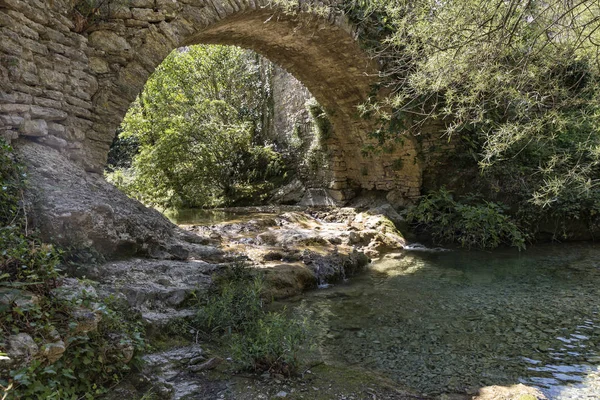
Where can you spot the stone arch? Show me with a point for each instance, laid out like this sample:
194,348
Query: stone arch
70,90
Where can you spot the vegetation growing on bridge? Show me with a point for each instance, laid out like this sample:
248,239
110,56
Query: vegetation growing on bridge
517,82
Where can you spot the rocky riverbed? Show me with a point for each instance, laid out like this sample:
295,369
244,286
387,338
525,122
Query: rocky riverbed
297,250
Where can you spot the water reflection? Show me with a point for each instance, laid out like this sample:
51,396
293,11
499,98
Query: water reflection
456,321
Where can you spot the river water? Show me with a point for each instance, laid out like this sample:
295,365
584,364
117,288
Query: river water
454,321
441,321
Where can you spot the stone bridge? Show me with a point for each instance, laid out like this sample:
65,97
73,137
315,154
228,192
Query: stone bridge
68,79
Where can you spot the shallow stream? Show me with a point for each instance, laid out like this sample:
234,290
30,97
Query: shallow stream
454,321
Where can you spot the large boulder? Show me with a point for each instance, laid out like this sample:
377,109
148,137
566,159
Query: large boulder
80,210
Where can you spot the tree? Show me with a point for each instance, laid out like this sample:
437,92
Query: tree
518,79
195,123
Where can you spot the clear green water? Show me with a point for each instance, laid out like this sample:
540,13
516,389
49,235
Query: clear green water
198,216
455,321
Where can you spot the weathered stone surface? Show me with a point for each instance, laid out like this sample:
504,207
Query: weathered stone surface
53,351
21,347
53,141
12,120
69,91
117,55
95,214
147,14
99,65
108,41
35,128
48,114
291,193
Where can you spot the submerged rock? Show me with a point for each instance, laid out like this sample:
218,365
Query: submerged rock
514,392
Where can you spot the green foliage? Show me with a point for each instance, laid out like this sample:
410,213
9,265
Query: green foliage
11,187
323,127
92,362
197,126
482,224
121,153
272,343
259,340
233,308
29,269
509,77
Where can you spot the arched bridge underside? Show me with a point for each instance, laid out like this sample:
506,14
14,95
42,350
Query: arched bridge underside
67,83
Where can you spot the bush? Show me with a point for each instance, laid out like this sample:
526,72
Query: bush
482,224
259,340
272,344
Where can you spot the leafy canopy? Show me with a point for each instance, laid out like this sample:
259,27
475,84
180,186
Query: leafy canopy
513,77
197,125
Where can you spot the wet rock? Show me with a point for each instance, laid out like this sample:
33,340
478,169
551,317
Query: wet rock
335,266
286,280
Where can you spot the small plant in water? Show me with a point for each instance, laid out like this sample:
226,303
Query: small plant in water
259,340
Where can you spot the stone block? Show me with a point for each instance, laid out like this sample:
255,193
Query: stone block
33,46
56,129
99,65
45,102
147,14
47,113
120,12
78,111
13,108
79,103
34,128
142,3
53,141
8,46
134,23
24,8
9,135
108,41
12,120
54,94
52,79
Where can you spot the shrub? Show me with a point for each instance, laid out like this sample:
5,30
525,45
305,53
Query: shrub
482,224
272,344
259,340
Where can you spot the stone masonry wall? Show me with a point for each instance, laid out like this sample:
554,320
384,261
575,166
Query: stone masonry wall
67,80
